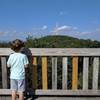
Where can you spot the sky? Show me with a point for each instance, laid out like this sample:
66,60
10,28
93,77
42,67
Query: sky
76,18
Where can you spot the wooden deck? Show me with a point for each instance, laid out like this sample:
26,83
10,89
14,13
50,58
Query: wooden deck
90,62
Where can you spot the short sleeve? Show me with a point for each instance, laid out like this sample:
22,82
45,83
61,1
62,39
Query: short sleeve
9,62
25,60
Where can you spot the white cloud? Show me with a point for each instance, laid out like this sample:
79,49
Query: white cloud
44,27
14,31
75,28
6,32
85,33
64,29
98,30
58,30
38,31
8,35
95,32
75,32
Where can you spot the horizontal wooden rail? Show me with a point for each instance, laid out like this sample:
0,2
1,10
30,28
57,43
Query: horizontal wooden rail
5,92
68,92
57,51
58,92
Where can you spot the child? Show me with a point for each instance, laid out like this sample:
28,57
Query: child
17,63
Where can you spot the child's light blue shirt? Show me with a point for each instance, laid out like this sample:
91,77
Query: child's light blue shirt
17,62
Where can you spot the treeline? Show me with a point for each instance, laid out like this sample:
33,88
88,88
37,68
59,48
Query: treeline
61,42
57,41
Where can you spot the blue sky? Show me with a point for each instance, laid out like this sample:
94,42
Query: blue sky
76,18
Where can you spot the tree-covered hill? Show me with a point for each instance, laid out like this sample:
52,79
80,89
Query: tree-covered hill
59,41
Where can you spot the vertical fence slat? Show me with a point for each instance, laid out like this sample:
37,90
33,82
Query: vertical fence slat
85,72
34,80
95,72
75,73
44,73
54,73
4,72
64,72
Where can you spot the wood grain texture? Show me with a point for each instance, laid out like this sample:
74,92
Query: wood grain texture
68,92
34,80
54,53
64,72
95,72
57,51
4,72
58,92
75,73
44,73
54,72
68,98
85,72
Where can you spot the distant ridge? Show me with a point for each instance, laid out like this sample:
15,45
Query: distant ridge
61,41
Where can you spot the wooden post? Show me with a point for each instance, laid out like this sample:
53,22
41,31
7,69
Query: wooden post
85,73
4,72
64,73
54,73
34,80
75,73
95,72
44,73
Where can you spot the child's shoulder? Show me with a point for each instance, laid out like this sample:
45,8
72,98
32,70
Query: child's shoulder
17,56
11,54
21,55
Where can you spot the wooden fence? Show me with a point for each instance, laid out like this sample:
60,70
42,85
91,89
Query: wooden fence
73,93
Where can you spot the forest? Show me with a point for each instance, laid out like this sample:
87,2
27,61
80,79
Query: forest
57,41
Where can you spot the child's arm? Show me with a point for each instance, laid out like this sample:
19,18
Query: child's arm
26,62
8,66
8,62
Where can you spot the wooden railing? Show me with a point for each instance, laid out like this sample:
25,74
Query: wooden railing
65,53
